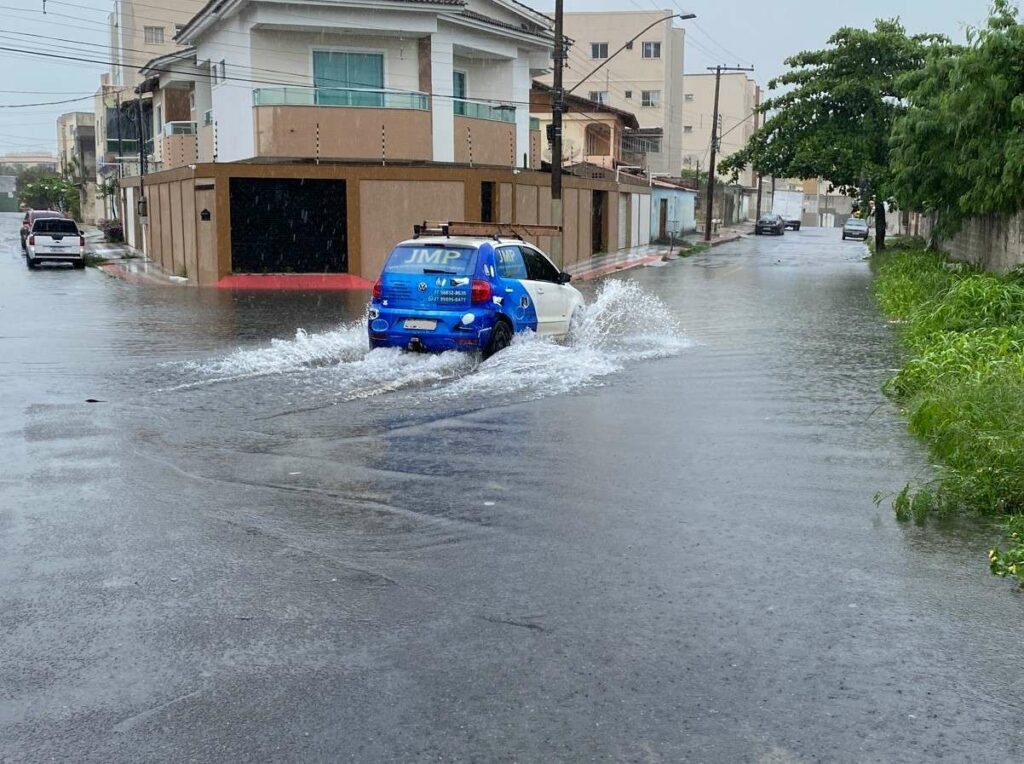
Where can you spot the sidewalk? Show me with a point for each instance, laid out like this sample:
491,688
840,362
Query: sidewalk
648,254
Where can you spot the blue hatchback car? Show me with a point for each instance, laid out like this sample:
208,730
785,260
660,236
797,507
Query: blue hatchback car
471,293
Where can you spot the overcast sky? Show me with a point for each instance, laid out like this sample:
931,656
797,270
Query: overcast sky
760,33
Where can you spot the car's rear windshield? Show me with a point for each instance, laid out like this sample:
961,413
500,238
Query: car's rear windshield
855,223
55,225
431,258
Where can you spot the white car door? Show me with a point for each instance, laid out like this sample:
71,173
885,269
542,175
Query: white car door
553,300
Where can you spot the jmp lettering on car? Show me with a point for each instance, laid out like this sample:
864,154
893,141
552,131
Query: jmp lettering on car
516,302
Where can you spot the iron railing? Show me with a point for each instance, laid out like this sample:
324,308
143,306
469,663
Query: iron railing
370,98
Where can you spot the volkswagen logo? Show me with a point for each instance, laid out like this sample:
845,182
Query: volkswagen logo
423,286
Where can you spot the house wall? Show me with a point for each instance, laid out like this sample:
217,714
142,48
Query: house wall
383,203
680,213
994,242
232,99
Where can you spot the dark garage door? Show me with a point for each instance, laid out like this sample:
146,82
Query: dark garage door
283,225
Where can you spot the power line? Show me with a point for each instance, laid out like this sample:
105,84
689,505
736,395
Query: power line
43,103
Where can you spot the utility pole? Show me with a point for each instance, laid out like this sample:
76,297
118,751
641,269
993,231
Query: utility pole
714,141
120,144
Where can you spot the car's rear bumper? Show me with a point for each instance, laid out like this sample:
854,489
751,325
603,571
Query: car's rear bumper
386,327
57,257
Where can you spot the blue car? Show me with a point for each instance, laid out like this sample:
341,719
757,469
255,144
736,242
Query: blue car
470,293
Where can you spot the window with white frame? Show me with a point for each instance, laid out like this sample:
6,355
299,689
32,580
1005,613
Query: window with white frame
651,50
687,128
650,98
153,35
599,50
599,96
217,72
629,94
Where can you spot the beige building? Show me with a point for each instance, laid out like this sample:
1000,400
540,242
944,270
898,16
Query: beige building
646,79
24,160
140,32
738,99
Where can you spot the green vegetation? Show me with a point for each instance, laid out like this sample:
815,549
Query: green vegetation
962,387
958,149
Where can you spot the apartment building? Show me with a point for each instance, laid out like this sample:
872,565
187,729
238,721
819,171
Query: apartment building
646,79
76,153
138,32
739,97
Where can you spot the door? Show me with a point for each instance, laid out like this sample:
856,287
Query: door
459,92
597,243
663,220
551,298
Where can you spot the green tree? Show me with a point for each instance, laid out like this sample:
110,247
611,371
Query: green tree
834,116
49,192
958,150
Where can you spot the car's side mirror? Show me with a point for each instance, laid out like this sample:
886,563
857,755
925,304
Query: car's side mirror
564,278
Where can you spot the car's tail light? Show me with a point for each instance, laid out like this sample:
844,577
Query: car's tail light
481,291
377,289
32,240
81,241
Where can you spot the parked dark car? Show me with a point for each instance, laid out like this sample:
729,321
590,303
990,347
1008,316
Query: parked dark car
30,219
792,222
770,223
855,228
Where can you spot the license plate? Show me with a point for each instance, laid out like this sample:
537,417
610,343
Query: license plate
420,324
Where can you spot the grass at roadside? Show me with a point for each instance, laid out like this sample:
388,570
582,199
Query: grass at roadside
961,388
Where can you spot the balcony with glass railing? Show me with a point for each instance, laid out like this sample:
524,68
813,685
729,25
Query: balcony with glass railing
207,117
463,107
179,128
367,98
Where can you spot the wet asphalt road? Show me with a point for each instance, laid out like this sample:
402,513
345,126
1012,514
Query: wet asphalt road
262,546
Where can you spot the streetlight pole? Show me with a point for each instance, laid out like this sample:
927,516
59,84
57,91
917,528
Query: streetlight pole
558,105
714,142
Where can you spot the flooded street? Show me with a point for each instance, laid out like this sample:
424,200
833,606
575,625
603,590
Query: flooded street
264,542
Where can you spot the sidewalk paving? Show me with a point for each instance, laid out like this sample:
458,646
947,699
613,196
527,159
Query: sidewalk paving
648,254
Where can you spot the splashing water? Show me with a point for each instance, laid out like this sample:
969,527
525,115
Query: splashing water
623,323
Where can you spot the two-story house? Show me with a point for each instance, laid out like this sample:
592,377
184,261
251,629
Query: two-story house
389,80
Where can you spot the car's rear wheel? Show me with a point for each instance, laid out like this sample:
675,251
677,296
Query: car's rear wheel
79,264
30,263
501,338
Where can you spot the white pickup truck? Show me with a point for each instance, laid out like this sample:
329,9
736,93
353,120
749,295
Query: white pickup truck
55,240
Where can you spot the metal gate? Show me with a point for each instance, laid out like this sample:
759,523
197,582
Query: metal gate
285,225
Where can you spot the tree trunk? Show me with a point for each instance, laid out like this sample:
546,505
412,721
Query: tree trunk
880,226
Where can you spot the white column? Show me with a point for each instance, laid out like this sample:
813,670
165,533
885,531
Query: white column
441,111
521,95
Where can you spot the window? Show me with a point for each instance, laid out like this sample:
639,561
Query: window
599,50
599,96
510,263
538,267
154,35
348,79
651,50
629,94
688,97
159,114
687,128
598,140
217,69
650,98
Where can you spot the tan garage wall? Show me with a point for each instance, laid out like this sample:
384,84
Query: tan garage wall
385,209
383,203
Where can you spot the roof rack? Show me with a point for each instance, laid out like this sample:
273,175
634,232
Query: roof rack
491,230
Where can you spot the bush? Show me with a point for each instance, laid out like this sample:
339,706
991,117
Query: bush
962,387
112,230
